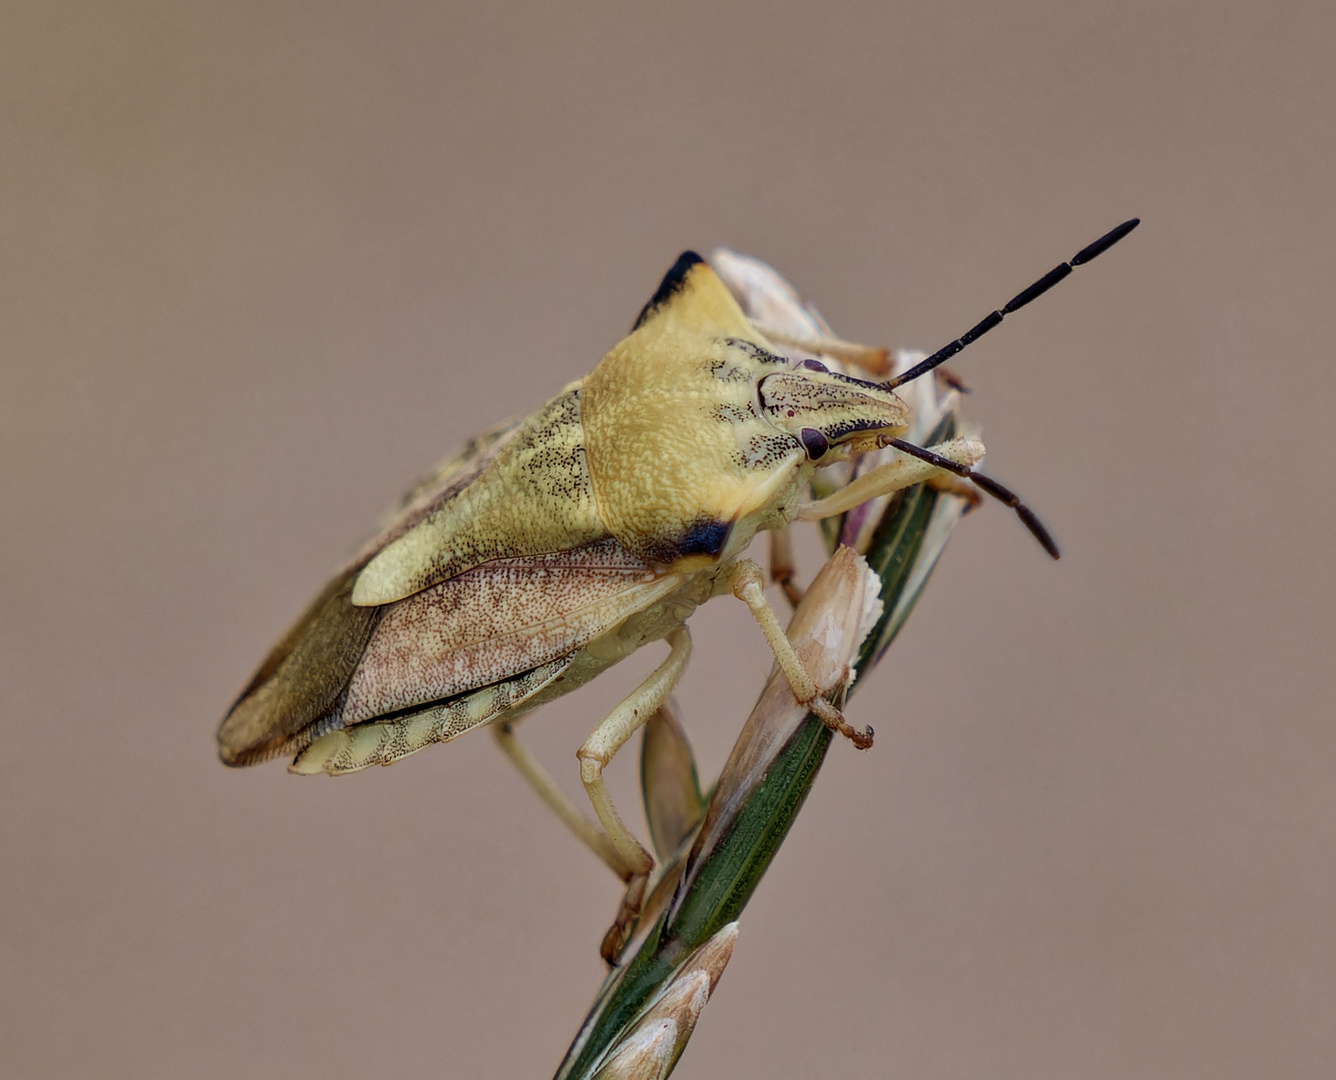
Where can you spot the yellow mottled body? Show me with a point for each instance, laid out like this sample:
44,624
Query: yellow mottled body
672,432
595,525
555,546
533,498
559,545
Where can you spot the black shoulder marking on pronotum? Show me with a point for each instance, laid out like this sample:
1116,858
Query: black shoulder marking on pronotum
669,286
704,536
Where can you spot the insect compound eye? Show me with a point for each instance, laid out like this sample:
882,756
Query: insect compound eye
814,443
814,365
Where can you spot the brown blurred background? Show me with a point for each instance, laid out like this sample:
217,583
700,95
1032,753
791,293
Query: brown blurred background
264,263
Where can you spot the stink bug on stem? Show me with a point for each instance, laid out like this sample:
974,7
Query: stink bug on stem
556,545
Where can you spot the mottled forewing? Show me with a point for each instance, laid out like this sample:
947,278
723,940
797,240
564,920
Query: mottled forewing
495,621
302,679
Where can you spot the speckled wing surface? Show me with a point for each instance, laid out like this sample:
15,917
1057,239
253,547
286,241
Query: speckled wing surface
479,612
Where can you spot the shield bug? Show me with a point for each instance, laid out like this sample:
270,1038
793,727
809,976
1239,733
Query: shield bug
554,546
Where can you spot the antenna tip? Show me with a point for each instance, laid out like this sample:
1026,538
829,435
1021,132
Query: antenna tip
1104,242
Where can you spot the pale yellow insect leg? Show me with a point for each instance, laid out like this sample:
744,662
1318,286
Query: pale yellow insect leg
783,567
874,359
614,843
557,801
957,486
746,580
612,733
903,472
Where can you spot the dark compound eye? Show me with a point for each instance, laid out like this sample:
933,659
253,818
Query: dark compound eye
814,365
814,442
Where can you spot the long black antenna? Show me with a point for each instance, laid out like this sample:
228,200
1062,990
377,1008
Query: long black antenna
1035,291
986,484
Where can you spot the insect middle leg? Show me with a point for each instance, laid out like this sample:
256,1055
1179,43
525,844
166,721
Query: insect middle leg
634,861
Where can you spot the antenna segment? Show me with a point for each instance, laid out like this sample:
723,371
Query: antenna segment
1022,298
1033,292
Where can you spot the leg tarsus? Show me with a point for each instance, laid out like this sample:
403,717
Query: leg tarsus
619,933
834,719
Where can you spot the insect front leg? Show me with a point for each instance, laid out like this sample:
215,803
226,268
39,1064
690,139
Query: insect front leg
594,755
893,476
961,489
936,466
746,580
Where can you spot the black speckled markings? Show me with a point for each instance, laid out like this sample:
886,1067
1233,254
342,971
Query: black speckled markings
733,414
755,351
733,370
552,455
764,452
836,432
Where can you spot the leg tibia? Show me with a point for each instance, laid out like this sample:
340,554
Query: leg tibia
546,789
594,755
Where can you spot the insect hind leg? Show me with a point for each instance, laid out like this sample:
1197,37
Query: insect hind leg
556,800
